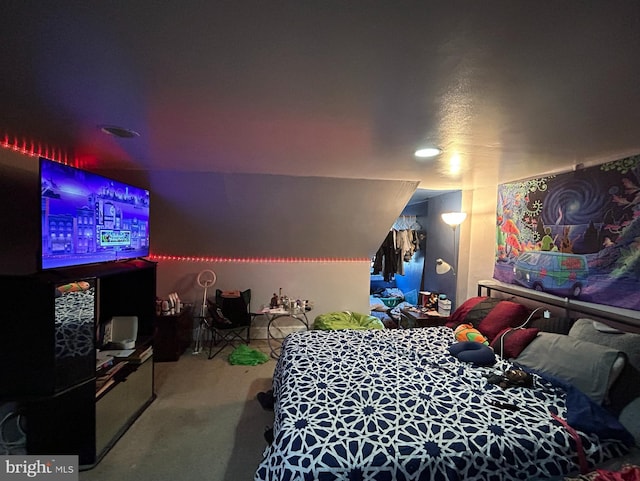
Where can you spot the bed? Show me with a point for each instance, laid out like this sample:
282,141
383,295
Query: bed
396,405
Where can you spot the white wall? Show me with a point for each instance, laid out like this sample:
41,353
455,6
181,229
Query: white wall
216,215
209,214
332,286
477,240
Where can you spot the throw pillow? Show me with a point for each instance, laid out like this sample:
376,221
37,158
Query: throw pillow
586,365
473,352
489,315
505,314
460,314
630,419
559,325
509,343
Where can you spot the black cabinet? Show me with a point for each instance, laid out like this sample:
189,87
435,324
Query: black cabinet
62,423
46,337
122,404
49,333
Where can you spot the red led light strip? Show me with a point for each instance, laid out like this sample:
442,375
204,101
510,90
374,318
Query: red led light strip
38,150
257,260
33,149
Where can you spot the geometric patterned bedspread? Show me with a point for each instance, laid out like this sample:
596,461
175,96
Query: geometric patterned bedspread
393,404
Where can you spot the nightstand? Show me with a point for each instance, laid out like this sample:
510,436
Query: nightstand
174,333
415,317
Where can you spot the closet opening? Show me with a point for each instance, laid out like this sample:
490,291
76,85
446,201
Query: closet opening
404,265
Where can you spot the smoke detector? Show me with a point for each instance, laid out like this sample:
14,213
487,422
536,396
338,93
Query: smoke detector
119,131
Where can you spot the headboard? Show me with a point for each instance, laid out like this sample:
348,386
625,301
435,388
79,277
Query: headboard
617,329
623,319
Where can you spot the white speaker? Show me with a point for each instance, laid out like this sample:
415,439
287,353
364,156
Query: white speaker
124,331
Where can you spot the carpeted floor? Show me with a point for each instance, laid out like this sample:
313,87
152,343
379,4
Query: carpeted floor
205,424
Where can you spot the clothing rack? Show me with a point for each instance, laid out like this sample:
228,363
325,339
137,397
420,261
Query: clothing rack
406,222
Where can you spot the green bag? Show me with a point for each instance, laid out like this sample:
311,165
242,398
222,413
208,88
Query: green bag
247,356
346,320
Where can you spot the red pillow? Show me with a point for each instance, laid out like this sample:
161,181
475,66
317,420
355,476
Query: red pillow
513,341
504,314
460,314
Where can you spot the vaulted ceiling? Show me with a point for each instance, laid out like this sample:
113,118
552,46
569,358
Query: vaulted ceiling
328,89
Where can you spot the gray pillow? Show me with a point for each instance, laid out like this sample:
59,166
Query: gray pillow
627,387
586,365
627,342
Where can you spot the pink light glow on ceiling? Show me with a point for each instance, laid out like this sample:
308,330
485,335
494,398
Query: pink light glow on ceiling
34,148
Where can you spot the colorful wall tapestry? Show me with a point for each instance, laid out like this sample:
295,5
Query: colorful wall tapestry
575,234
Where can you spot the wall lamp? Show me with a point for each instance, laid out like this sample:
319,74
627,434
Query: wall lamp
454,219
443,267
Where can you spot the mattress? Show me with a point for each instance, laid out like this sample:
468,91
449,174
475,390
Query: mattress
394,405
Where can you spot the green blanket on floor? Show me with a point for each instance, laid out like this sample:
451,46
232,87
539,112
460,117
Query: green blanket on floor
243,354
332,321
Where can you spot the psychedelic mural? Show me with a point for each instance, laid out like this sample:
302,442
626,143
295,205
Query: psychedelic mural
575,234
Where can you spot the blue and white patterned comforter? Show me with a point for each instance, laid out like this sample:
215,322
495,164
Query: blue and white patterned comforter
394,405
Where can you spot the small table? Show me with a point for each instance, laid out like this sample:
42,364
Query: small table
272,315
417,317
173,335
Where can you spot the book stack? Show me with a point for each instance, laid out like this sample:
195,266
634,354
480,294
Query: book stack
103,360
106,376
141,356
110,362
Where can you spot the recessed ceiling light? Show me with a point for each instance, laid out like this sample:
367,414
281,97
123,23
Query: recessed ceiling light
427,152
119,131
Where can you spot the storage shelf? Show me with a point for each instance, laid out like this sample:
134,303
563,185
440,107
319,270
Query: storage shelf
49,353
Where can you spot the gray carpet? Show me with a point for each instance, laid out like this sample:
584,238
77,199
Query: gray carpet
205,424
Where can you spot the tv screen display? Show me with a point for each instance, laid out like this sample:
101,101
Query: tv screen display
88,218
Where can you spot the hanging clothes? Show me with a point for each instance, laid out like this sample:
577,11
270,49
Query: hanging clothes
414,238
402,247
398,247
406,244
386,258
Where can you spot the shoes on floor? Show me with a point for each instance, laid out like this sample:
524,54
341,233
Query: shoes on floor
266,399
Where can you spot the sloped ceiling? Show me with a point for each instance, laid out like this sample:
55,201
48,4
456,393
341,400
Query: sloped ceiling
251,215
310,94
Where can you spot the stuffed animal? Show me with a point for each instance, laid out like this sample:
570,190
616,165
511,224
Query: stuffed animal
466,332
475,353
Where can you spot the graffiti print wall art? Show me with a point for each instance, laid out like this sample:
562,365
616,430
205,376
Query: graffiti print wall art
574,235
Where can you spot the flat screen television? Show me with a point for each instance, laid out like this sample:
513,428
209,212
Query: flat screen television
87,218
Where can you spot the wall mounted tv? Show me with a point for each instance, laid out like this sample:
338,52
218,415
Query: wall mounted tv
87,218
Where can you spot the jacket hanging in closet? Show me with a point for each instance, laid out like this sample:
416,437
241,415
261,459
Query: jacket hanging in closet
386,260
397,248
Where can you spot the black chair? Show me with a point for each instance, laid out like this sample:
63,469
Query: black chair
230,319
